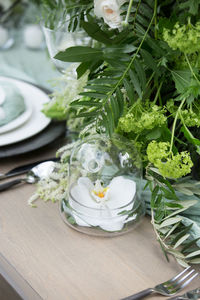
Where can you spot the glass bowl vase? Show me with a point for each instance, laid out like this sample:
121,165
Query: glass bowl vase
104,193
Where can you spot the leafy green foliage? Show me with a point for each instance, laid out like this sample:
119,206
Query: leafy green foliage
144,83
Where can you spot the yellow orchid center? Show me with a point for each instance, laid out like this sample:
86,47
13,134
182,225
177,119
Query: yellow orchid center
99,192
109,11
102,193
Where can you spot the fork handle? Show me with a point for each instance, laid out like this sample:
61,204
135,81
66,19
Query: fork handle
139,295
9,184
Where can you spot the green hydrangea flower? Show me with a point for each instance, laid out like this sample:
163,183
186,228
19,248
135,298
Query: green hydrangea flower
139,119
186,38
169,165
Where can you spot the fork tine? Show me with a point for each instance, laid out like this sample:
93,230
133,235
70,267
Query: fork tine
186,276
180,274
189,280
173,285
176,286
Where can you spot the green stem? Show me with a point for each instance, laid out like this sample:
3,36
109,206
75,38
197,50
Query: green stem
156,32
128,11
174,125
156,232
133,58
134,20
158,93
188,62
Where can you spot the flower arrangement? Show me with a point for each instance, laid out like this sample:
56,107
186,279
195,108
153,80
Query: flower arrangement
143,82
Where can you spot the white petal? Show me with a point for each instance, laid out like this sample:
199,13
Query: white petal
110,223
80,221
81,192
112,226
87,182
122,191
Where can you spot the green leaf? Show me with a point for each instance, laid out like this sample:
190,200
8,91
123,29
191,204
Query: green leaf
171,230
189,244
120,100
173,205
115,109
88,114
140,72
186,204
87,65
170,221
79,54
195,261
155,46
93,95
96,33
181,240
182,263
154,195
109,81
110,119
176,253
149,60
129,90
154,134
88,103
98,88
189,136
135,82
182,79
168,194
191,5
181,234
192,254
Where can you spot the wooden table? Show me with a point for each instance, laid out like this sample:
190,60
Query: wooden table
38,250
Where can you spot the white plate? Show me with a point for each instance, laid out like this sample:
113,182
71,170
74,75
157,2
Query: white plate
37,121
20,120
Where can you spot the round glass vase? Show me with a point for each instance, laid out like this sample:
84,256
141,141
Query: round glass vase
104,194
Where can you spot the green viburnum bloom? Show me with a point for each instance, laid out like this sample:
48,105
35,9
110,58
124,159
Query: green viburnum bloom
186,38
169,165
140,119
191,116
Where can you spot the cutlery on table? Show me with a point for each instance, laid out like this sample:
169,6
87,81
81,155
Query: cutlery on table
24,168
41,171
193,295
169,287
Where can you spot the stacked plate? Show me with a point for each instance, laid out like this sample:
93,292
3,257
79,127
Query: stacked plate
31,129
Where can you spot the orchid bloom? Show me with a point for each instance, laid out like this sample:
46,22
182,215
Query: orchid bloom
95,205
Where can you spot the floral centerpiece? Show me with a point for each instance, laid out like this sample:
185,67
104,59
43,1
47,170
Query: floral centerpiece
140,79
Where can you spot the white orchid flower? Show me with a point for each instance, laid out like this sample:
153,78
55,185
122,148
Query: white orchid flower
110,11
95,205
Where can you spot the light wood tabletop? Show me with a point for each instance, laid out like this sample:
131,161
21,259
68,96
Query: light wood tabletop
59,263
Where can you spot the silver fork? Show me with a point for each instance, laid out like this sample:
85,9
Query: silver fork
169,287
